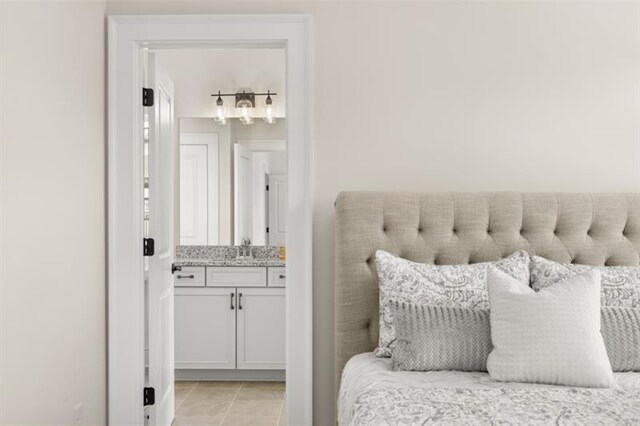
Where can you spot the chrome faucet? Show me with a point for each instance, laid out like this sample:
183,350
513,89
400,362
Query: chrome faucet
245,248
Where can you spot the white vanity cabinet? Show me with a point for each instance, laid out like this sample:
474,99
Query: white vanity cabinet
205,328
232,321
261,329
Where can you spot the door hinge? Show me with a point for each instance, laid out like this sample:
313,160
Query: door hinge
149,396
147,97
149,246
267,187
267,229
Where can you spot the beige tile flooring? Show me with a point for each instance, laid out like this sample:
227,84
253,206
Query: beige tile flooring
230,403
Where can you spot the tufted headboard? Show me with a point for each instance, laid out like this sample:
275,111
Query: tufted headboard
459,228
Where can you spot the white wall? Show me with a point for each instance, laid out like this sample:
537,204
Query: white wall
278,162
259,130
498,96
52,343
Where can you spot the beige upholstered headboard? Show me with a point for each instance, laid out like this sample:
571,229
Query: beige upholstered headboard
450,228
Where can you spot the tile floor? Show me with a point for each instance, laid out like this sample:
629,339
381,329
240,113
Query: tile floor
230,403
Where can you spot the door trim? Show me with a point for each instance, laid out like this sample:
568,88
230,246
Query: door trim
126,38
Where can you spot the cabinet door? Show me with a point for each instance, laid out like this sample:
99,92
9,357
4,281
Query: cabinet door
261,329
205,328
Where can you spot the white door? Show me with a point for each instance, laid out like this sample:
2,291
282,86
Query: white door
159,279
193,195
261,329
199,175
277,209
205,328
242,194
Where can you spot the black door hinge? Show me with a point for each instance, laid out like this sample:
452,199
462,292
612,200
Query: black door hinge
149,246
267,229
149,396
147,97
267,187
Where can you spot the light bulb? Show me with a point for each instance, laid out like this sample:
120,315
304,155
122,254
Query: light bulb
269,112
219,116
245,112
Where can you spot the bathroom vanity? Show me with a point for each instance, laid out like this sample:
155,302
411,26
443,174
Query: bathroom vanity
229,314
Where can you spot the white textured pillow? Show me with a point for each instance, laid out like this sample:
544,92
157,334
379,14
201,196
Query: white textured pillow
552,336
462,286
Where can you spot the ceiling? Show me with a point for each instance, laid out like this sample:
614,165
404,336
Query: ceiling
197,73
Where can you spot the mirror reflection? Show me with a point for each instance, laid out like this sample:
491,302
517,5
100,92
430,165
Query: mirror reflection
232,193
232,178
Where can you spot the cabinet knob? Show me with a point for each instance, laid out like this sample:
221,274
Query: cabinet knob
186,276
239,300
282,276
232,295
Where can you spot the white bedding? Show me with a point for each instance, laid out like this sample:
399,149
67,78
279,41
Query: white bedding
371,393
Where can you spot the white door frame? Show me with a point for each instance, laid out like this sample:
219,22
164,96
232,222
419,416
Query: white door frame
127,36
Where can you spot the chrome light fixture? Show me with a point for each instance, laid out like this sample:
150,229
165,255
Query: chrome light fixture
245,102
219,116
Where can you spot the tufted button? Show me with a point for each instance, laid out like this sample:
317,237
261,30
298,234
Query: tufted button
384,228
573,261
369,259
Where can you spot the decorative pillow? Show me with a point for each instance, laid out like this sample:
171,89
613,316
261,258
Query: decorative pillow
461,286
620,284
440,338
621,333
552,336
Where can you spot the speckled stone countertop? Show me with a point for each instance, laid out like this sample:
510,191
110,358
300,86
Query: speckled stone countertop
226,256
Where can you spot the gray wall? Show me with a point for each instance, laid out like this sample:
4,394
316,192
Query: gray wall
422,96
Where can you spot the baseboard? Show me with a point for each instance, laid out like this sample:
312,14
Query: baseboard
231,375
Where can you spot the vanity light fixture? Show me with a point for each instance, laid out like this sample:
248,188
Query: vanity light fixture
245,102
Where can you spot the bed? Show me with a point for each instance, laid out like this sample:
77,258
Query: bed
461,228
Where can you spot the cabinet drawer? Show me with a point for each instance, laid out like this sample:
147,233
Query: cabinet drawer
277,277
224,276
189,276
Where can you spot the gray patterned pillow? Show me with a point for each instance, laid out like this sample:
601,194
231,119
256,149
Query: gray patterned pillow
441,338
620,330
463,286
620,284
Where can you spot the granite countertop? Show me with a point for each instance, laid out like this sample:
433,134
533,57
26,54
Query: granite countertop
226,256
229,262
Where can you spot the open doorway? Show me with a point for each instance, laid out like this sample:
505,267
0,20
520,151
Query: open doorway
240,328
229,120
